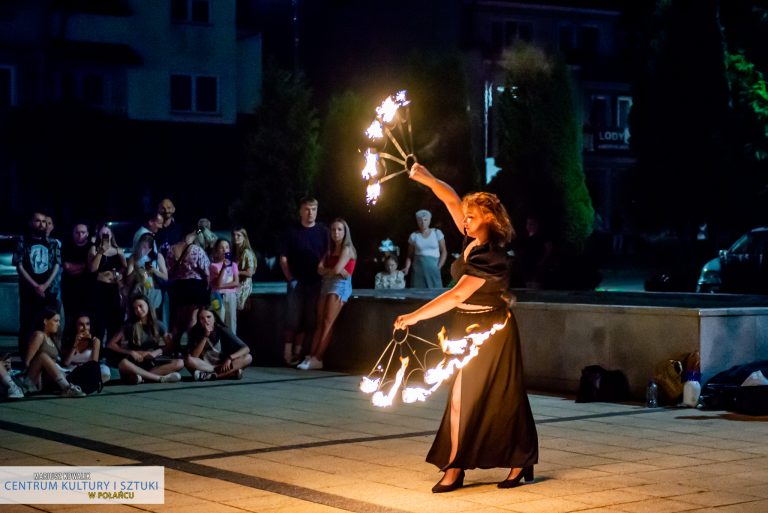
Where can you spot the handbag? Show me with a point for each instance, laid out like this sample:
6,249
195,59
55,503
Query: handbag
87,376
668,375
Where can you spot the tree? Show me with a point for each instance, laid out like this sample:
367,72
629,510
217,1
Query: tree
281,157
540,148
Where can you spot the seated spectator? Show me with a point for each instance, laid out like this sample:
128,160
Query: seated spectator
225,284
214,351
42,355
391,278
13,391
137,350
145,266
85,348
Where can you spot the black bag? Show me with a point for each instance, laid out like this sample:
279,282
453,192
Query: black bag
599,384
87,376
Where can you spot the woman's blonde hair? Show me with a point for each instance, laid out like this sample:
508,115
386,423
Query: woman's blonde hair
346,242
239,251
500,227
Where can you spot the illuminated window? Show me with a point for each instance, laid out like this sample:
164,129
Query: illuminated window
194,93
193,11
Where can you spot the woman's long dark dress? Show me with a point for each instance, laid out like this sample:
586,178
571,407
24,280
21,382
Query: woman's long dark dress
496,427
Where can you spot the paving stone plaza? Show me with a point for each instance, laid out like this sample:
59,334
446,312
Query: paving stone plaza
283,440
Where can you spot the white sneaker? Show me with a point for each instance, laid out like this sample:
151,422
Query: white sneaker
28,385
304,365
314,364
15,392
73,391
203,376
173,377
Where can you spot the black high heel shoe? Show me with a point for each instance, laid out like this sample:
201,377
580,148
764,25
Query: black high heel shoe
458,483
525,473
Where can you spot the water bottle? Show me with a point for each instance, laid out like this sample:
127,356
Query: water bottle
692,389
652,395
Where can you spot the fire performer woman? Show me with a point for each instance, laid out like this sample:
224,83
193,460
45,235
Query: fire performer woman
488,421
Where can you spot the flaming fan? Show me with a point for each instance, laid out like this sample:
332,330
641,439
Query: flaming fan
393,116
455,355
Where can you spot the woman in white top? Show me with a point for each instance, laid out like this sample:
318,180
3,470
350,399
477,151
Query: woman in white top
426,253
85,348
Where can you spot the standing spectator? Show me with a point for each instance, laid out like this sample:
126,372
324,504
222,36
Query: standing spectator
37,260
336,268
303,248
391,278
170,233
145,268
208,237
427,254
42,356
107,261
56,283
214,351
225,282
151,225
188,271
76,280
137,349
246,264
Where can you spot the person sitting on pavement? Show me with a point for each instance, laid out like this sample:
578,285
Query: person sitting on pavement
13,391
137,350
214,351
42,356
85,348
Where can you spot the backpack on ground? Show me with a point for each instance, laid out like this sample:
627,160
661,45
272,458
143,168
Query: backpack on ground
87,376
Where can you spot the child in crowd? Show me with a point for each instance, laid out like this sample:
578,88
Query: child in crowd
391,277
246,264
225,280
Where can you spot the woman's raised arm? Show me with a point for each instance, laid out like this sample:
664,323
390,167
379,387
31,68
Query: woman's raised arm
443,191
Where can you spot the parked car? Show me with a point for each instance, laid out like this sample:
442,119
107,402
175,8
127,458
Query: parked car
740,269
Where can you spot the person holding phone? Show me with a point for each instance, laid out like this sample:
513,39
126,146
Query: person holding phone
107,261
144,268
225,284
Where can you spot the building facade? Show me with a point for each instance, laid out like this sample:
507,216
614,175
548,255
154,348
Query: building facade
588,36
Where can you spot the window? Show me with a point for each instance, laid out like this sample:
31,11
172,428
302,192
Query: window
599,112
589,40
194,11
623,106
7,91
566,40
194,93
504,34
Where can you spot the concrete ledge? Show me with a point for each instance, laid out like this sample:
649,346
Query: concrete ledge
561,332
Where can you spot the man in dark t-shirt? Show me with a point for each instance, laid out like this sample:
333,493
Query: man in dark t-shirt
304,246
37,260
76,279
